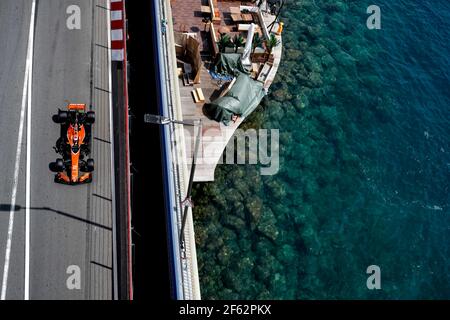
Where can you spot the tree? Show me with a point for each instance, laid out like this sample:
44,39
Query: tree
238,41
257,42
271,43
224,42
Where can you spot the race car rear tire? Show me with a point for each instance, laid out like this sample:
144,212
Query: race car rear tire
62,116
90,165
90,117
59,165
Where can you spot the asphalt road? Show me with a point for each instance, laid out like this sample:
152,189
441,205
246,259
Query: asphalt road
69,225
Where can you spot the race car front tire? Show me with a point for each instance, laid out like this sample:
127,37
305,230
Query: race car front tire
90,165
62,116
59,165
90,117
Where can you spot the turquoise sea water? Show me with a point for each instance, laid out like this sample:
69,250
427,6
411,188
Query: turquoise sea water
364,120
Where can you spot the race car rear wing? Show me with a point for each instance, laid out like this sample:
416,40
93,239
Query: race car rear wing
76,106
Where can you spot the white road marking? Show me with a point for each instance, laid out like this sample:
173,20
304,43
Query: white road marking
14,189
17,160
28,174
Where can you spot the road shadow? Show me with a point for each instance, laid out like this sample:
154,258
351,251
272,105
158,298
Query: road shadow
92,223
101,197
101,89
101,265
7,207
102,140
102,46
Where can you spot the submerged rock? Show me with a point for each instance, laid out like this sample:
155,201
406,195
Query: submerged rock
282,95
267,225
315,79
344,59
254,206
225,254
327,60
276,189
293,54
233,222
319,50
312,63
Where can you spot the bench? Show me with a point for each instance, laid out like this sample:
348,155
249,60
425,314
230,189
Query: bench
198,95
236,18
247,17
194,94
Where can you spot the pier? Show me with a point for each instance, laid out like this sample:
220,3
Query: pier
193,28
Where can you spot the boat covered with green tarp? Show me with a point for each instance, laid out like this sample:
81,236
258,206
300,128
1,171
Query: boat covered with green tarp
242,98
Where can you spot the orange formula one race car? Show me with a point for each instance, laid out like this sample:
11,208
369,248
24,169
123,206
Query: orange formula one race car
73,145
